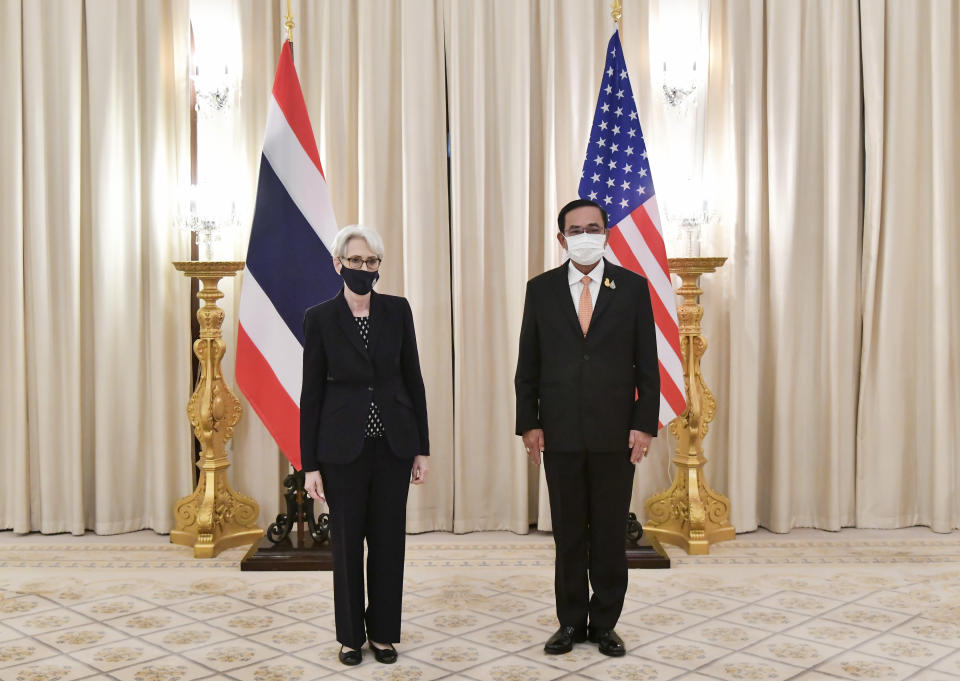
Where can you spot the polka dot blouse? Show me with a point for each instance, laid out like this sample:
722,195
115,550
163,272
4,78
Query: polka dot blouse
374,424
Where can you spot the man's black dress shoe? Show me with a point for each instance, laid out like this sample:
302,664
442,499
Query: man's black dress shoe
350,657
607,641
562,641
384,655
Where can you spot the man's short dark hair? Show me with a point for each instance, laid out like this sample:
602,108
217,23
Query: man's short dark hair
580,203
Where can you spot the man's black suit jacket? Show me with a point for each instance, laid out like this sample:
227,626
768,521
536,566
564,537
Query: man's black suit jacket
580,390
341,376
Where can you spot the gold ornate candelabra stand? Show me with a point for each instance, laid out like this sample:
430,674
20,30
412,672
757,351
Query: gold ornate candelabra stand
690,514
214,517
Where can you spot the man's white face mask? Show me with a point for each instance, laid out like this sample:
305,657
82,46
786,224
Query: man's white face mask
586,249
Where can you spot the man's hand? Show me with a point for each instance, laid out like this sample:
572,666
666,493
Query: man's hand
314,486
639,445
533,442
418,473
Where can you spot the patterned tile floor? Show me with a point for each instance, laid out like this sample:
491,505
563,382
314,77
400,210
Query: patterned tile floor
808,605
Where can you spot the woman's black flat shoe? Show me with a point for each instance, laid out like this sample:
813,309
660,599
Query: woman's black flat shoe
350,658
384,655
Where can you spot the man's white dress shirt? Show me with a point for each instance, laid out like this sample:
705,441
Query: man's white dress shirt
575,276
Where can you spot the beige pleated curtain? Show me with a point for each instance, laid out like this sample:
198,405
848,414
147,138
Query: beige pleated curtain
831,328
94,349
908,422
785,327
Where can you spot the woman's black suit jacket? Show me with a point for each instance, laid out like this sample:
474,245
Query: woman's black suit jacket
340,376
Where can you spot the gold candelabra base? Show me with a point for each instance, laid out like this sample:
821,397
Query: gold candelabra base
690,514
215,517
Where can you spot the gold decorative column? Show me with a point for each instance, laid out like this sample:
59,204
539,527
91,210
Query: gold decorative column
690,514
214,517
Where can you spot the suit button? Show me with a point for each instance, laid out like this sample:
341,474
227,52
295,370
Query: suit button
370,388
586,356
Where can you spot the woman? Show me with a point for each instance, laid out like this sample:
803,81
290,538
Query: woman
363,439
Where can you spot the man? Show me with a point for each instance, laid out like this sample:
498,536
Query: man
588,397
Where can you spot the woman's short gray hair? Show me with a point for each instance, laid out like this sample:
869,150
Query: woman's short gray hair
368,234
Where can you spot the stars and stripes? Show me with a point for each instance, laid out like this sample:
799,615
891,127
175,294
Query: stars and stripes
289,266
616,174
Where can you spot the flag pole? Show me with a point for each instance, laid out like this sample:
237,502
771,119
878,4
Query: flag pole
616,11
289,23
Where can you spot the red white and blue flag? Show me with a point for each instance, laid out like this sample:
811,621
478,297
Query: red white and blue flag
616,174
289,266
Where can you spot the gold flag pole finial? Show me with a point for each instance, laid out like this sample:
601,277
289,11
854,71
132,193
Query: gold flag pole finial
289,23
616,11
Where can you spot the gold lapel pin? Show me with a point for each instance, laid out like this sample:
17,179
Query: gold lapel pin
609,284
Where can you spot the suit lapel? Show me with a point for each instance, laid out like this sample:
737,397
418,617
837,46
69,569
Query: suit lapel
377,321
606,292
348,324
562,286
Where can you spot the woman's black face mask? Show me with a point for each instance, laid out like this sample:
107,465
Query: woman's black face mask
359,281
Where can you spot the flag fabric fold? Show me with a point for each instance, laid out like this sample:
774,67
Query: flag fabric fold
616,174
289,265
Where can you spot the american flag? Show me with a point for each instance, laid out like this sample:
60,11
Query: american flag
616,174
289,266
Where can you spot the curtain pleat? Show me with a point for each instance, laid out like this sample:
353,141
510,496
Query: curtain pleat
14,460
908,426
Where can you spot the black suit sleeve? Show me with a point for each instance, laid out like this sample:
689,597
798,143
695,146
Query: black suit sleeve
413,378
527,379
312,392
646,410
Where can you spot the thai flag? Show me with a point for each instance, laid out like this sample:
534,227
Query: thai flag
289,266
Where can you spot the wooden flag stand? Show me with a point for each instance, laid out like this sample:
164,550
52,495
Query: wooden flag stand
644,551
307,549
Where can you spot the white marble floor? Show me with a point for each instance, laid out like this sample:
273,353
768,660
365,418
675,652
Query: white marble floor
858,604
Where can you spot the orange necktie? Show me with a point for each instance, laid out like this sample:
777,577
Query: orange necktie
585,311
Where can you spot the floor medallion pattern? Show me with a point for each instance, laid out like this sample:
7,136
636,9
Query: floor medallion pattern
813,606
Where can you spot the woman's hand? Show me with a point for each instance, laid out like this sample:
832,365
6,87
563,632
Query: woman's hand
314,486
418,473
